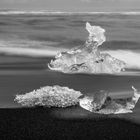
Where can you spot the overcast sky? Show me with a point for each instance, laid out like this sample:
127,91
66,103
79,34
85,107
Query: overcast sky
72,5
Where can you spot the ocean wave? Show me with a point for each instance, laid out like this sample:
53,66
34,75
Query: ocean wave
31,12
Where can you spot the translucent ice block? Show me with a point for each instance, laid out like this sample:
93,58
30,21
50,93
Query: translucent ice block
87,58
110,106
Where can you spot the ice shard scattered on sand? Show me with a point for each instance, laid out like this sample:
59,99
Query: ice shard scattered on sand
49,96
58,96
87,58
108,105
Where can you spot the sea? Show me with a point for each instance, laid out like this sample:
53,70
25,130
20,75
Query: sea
29,40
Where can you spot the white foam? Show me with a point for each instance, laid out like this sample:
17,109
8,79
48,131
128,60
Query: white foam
131,58
29,48
28,52
45,12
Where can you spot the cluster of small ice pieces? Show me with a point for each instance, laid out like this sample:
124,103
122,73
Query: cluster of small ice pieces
87,58
49,96
58,96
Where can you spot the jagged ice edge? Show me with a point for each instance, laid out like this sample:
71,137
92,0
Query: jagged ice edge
48,96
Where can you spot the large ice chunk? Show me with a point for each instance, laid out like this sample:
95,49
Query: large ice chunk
49,96
87,58
108,105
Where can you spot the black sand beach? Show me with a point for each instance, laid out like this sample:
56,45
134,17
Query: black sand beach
39,123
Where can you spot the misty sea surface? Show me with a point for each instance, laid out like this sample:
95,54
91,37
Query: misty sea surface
29,41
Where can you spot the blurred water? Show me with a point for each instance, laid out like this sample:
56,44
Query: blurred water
40,31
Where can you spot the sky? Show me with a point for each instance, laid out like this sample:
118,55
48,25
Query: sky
72,5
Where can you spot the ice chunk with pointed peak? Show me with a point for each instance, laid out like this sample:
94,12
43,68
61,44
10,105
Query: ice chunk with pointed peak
110,106
49,96
96,34
87,58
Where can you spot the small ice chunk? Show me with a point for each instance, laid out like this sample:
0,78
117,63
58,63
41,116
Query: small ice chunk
110,106
49,96
87,58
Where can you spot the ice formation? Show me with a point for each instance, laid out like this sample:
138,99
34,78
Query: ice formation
108,105
87,58
58,96
48,96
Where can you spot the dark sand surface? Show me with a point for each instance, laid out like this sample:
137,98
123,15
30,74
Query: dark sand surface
40,123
